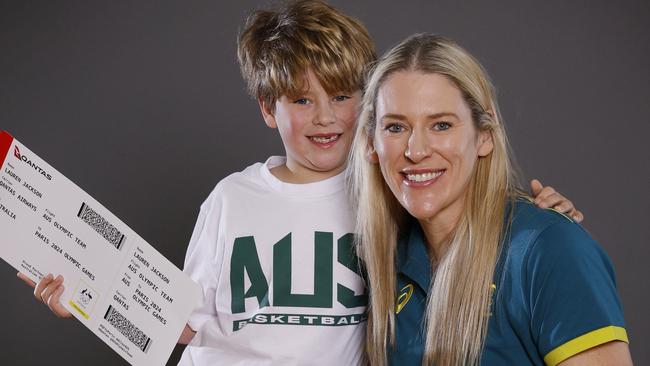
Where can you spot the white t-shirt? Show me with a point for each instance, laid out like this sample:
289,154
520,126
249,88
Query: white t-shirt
279,274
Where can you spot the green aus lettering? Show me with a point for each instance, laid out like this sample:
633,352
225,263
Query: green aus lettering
347,256
245,261
322,297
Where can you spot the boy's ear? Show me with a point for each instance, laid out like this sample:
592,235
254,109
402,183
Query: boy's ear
268,113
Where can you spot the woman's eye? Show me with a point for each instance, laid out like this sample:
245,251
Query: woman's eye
340,98
394,127
442,126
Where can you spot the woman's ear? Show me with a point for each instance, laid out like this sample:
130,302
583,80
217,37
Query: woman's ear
485,143
268,113
371,153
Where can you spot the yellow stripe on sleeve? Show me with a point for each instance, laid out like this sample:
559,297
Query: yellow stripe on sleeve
585,342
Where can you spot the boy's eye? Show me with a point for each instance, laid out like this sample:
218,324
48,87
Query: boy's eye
442,126
340,98
394,127
301,101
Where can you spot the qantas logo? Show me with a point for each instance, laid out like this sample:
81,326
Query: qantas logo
27,161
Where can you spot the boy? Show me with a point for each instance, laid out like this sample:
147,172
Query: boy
272,247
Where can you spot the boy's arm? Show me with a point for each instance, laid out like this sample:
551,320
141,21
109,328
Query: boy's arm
187,335
49,291
547,197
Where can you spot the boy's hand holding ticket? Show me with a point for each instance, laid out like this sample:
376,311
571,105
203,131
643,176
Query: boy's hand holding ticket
117,285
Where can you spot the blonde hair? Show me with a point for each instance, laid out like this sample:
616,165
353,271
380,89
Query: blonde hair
276,48
459,297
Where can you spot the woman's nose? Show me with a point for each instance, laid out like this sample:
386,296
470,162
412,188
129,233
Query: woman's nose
417,147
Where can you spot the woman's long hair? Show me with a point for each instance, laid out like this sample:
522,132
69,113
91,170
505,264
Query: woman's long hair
460,294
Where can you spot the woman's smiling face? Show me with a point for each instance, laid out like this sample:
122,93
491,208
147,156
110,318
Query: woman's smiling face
426,143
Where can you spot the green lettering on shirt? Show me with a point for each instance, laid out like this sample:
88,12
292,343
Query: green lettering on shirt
323,274
348,258
245,260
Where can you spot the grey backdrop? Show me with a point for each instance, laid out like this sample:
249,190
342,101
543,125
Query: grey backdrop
141,104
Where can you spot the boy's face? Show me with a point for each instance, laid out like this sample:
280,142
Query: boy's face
316,129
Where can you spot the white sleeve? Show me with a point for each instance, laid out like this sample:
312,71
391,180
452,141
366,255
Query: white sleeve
203,261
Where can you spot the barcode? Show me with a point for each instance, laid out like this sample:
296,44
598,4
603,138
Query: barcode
133,333
103,227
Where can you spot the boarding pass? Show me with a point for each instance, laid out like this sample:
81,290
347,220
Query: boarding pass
116,284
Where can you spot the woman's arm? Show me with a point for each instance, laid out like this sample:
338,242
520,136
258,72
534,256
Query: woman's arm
615,353
576,314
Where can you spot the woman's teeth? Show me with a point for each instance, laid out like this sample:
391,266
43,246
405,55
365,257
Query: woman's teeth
324,140
423,177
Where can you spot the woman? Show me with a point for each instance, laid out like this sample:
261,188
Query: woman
482,276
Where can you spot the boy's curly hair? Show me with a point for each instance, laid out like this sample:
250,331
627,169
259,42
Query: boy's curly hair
276,48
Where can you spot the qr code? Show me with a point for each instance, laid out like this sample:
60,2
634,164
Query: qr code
100,225
124,326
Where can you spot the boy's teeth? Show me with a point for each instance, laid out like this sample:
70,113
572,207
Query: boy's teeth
324,140
423,177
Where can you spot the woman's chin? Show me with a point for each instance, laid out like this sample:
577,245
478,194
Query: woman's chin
422,213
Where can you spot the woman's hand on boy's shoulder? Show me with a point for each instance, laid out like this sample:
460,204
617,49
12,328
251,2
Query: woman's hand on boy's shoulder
548,197
48,291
